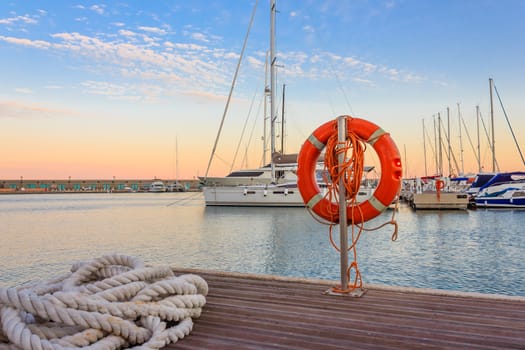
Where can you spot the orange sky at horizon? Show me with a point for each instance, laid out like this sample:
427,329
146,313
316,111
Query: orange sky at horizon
126,159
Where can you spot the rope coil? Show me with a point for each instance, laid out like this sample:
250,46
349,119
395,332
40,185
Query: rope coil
111,302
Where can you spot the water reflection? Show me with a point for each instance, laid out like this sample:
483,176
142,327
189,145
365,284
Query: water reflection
42,235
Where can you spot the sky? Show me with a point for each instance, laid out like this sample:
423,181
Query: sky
137,89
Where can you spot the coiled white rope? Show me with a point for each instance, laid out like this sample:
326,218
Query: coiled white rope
111,302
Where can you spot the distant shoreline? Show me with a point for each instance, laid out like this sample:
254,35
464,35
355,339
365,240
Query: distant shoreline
22,192
24,186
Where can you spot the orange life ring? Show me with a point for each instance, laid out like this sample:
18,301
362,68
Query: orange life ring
386,190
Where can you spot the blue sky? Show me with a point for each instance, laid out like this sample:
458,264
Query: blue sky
95,89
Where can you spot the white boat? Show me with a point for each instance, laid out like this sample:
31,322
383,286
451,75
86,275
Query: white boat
434,192
281,195
503,190
175,187
157,186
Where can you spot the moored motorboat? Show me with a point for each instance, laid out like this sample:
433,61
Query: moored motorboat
504,190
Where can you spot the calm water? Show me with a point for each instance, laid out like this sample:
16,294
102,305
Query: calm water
42,235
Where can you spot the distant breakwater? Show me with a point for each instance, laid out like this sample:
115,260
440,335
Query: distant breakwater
87,185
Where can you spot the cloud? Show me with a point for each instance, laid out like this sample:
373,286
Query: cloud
308,29
254,62
199,37
369,67
105,88
124,32
185,46
24,19
23,90
390,4
205,95
18,110
363,81
98,9
323,64
144,55
124,92
39,44
155,30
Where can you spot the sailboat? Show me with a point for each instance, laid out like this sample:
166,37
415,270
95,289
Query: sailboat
275,184
263,186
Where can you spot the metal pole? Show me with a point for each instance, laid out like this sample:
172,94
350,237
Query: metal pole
343,224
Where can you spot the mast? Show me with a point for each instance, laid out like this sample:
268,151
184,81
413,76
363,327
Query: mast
460,144
448,142
265,113
510,126
273,114
440,153
176,158
435,143
479,153
492,127
405,153
282,121
424,148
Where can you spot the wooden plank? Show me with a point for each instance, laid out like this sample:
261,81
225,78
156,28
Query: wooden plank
268,312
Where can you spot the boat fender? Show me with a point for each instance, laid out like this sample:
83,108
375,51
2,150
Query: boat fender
440,184
391,171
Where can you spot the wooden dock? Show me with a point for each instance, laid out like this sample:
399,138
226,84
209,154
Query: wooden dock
269,312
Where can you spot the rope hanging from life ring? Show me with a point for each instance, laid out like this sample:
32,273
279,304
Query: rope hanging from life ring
359,131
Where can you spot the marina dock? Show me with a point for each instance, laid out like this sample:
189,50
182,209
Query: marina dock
268,312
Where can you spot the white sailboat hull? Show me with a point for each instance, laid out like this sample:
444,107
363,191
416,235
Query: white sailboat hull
264,196
253,196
